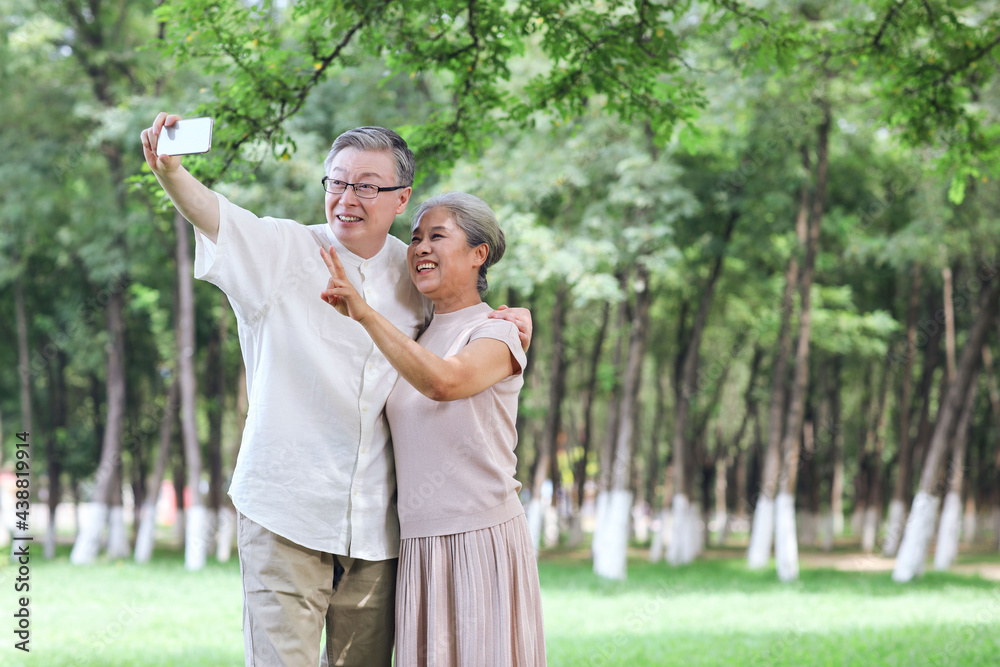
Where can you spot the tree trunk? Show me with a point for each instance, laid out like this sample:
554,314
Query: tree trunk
659,422
196,535
948,529
993,472
24,378
94,515
762,529
949,323
743,454
586,430
786,549
57,423
612,562
835,427
177,480
118,543
215,393
904,467
932,359
546,455
530,381
809,484
920,524
653,477
147,514
873,502
707,463
611,429
137,477
684,540
721,476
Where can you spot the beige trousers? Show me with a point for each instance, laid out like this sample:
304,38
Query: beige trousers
290,592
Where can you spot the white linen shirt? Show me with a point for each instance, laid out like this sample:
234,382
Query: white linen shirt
315,465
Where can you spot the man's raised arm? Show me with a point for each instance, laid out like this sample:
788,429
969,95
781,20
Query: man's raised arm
195,202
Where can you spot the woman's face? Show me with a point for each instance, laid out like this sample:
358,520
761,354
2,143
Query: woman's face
442,265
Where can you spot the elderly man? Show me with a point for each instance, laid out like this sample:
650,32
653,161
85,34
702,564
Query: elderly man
314,483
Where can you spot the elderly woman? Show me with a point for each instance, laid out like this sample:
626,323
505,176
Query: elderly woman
468,583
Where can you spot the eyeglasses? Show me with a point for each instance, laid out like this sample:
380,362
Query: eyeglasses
362,190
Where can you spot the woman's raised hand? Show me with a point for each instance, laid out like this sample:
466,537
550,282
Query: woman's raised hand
340,293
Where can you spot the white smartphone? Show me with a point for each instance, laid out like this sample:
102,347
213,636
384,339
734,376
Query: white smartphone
186,137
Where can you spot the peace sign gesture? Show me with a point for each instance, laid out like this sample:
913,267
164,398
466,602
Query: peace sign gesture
340,293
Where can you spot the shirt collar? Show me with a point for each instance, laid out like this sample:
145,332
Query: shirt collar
348,257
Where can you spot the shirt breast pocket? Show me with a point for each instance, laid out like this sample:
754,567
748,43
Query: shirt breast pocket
325,322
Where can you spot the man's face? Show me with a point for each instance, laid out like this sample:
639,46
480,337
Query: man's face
363,224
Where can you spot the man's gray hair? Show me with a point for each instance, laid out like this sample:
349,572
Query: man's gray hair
477,220
377,139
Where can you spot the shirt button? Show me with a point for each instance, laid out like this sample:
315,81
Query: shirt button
355,492
364,409
371,367
364,450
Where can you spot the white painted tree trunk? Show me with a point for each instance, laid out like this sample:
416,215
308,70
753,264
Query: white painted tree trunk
661,536
761,534
93,518
613,552
786,543
196,537
838,523
550,526
226,535
827,530
857,519
600,509
118,545
50,535
948,529
640,522
916,537
685,532
869,529
534,514
894,528
145,537
575,537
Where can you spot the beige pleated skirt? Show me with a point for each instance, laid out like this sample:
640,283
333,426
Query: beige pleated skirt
470,600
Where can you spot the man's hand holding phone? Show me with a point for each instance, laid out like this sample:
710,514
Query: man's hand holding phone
170,137
163,143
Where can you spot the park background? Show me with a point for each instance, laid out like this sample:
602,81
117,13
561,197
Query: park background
761,418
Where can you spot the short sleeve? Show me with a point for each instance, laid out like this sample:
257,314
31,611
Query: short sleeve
503,331
248,259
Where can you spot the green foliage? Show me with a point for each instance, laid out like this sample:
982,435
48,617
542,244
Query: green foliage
625,54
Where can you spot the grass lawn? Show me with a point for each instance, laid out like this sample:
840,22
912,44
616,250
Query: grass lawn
714,612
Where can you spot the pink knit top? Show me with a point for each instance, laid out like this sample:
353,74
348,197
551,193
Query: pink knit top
455,460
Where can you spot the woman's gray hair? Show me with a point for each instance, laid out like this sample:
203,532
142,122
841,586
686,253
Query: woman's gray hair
376,139
477,220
